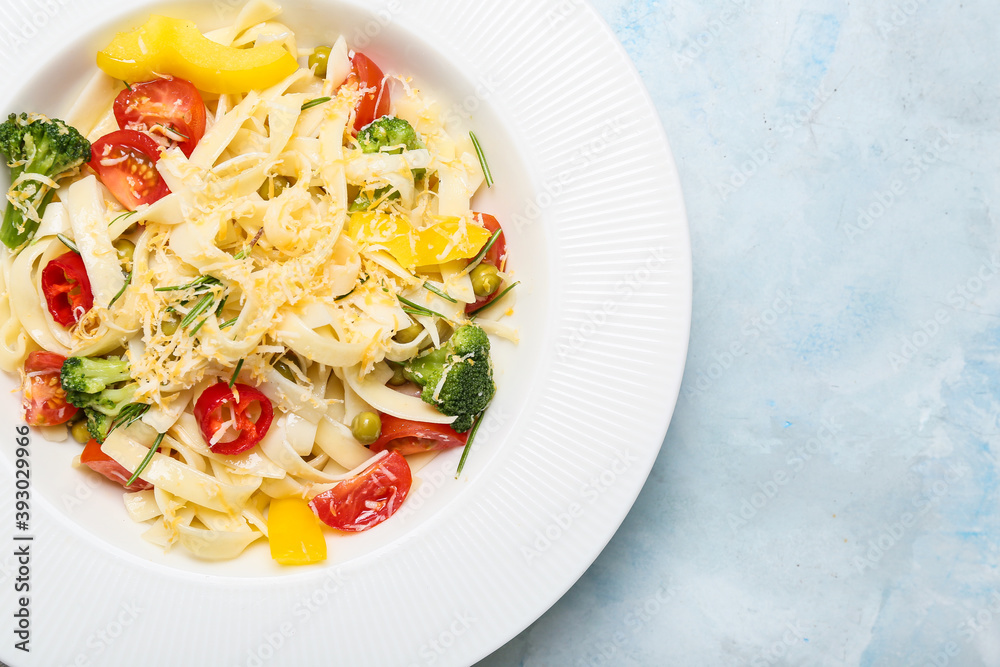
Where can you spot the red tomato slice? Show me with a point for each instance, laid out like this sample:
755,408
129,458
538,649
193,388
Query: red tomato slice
375,104
44,400
125,161
409,437
219,407
173,104
496,255
95,459
66,287
368,498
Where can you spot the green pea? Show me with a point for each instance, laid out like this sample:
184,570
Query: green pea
169,327
274,186
126,250
318,59
409,334
485,279
398,377
366,427
285,370
80,432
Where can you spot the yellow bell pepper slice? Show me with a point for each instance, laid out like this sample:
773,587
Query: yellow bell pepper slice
163,45
294,533
447,239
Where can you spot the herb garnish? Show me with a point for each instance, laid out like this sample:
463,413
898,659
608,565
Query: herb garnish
236,373
315,103
435,290
498,297
482,160
66,241
145,461
468,443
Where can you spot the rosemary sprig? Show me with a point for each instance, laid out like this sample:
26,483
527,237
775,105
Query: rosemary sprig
236,373
499,296
315,103
145,461
201,281
129,415
468,444
66,241
482,160
415,309
474,262
197,327
119,217
197,282
226,325
435,290
127,86
198,310
209,297
128,281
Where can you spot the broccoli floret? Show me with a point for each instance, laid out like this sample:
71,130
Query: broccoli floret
36,144
91,375
457,377
388,132
109,402
98,424
112,408
387,135
88,384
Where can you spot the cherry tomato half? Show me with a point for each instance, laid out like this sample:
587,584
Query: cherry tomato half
219,407
66,288
44,400
368,498
125,161
375,104
496,256
94,458
409,437
173,104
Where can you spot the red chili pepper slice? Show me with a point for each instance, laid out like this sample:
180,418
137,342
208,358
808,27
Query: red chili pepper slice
219,405
66,287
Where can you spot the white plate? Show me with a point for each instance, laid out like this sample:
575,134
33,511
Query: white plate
589,196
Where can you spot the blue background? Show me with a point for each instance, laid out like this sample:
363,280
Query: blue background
827,492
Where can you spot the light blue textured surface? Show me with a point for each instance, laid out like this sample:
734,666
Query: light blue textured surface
827,493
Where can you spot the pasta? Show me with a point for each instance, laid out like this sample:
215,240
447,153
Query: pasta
265,284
